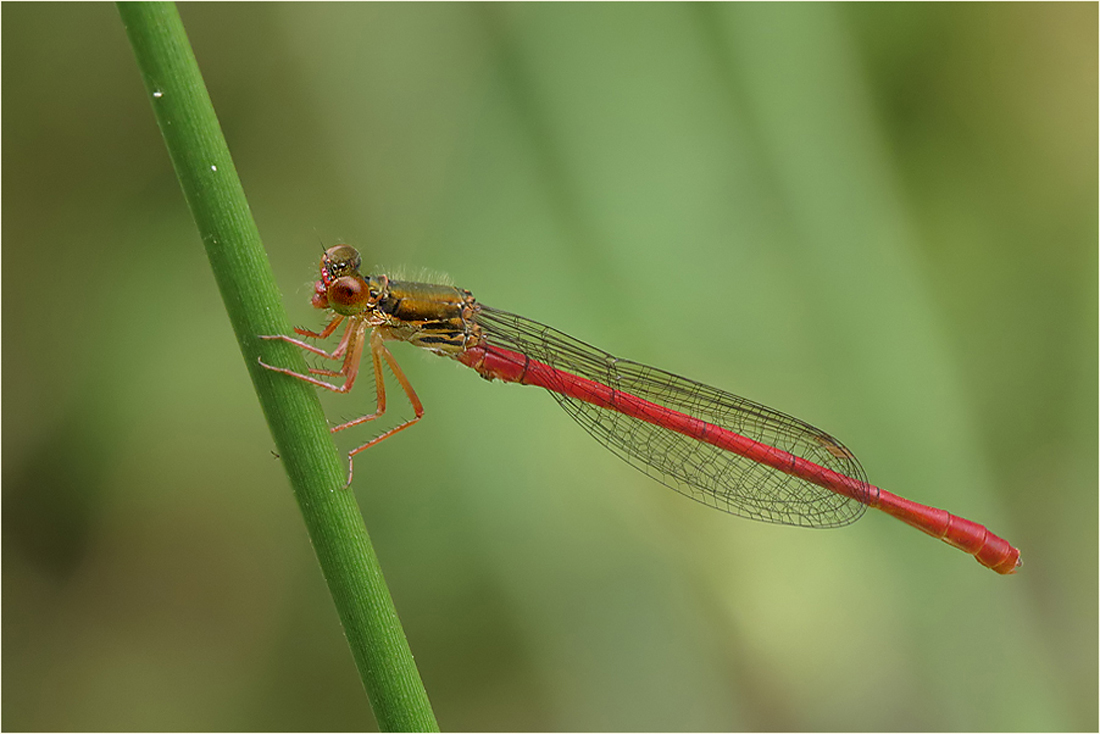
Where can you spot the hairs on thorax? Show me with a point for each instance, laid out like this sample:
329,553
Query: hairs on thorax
414,275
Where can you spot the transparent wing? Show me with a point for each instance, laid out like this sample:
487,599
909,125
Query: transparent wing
705,473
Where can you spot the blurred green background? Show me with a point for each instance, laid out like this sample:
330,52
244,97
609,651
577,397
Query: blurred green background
879,218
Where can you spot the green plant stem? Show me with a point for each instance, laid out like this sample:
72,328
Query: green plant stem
214,194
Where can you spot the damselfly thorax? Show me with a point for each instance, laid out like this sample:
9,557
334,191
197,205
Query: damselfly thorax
438,318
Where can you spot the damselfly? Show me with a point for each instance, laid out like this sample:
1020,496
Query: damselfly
717,448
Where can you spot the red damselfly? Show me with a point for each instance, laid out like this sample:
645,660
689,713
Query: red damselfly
717,448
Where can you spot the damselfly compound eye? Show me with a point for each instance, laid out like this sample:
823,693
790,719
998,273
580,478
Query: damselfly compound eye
348,294
339,261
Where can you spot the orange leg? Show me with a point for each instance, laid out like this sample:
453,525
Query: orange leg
351,348
324,334
336,354
378,352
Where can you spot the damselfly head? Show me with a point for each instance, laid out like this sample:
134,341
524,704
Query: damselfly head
342,288
350,295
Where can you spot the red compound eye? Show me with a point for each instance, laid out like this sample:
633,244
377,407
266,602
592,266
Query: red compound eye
348,294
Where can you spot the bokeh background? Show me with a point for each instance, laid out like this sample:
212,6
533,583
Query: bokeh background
882,219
